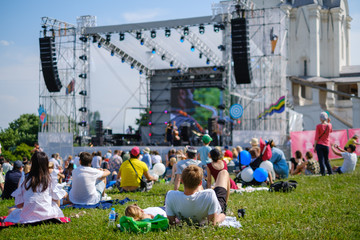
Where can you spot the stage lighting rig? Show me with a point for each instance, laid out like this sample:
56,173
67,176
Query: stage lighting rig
207,61
200,55
216,28
83,39
132,66
138,35
153,34
171,64
163,57
83,75
122,59
83,57
192,48
140,72
112,53
121,36
186,31
153,51
94,39
167,32
221,47
83,109
108,38
83,93
201,29
82,124
182,39
142,41
99,45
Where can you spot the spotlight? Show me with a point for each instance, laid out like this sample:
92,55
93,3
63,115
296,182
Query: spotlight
83,93
163,57
221,47
182,39
121,36
153,51
216,28
99,45
153,34
82,124
83,75
192,48
207,61
132,66
214,68
186,31
83,57
140,72
200,55
165,111
83,109
83,39
150,112
222,26
166,123
108,38
142,41
112,53
167,32
94,39
178,70
171,63
122,59
150,123
150,134
138,35
201,29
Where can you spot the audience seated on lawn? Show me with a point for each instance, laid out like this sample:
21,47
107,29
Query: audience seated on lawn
130,180
312,166
279,162
138,214
181,165
349,156
12,179
37,197
298,164
196,205
88,184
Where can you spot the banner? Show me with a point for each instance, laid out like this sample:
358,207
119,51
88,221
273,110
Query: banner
277,107
352,132
304,141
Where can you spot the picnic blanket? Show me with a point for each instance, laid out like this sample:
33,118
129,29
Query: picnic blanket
102,204
4,224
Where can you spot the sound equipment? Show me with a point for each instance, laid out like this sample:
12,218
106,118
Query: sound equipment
240,50
99,128
49,64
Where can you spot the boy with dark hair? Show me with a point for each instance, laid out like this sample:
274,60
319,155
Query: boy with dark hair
349,156
195,205
181,165
88,184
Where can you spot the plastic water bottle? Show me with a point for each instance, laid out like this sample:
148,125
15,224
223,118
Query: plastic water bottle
112,217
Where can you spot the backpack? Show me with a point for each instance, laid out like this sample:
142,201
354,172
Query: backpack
130,225
283,186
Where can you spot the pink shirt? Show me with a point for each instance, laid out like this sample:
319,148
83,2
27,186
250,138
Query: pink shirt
324,137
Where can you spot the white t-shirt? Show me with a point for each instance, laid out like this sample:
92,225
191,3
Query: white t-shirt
83,189
155,211
180,166
195,207
77,161
349,163
56,163
155,159
95,163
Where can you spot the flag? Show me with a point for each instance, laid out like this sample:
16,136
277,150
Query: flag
277,107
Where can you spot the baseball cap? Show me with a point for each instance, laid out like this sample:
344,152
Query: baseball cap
206,138
135,151
18,164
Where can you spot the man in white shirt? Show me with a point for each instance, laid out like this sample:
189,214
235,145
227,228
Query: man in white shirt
88,184
181,165
195,205
96,161
349,156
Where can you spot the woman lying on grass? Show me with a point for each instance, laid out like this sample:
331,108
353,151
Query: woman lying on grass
37,197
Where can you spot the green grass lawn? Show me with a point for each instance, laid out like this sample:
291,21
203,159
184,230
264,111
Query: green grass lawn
320,208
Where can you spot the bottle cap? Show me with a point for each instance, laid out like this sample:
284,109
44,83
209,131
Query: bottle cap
113,209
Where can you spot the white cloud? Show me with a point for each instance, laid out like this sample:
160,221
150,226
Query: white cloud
5,43
141,15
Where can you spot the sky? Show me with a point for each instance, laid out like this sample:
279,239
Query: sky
20,24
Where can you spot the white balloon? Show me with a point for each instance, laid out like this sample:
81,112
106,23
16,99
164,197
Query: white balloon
151,172
159,169
155,176
247,174
268,166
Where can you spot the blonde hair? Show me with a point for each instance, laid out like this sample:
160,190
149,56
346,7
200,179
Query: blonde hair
172,161
234,152
51,165
134,211
27,168
192,176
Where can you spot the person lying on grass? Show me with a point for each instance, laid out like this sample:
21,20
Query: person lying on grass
196,205
138,214
349,156
38,197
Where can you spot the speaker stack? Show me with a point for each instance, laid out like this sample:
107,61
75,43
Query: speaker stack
241,51
49,64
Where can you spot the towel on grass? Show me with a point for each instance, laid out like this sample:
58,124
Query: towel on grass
102,204
4,224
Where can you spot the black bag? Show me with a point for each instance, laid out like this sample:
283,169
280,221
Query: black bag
283,186
144,184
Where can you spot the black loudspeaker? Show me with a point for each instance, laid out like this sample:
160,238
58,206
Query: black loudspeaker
241,51
49,64
99,128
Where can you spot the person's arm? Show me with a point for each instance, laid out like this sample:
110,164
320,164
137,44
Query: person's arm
335,151
105,173
177,182
149,177
216,218
172,220
208,179
173,174
20,205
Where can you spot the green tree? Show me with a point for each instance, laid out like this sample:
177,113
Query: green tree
23,150
144,119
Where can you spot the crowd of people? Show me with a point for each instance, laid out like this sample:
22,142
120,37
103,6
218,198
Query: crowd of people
40,185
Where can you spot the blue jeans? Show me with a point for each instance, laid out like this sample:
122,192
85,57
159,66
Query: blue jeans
323,157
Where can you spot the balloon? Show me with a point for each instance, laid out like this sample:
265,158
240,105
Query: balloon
268,166
247,174
245,157
151,172
159,169
156,176
260,174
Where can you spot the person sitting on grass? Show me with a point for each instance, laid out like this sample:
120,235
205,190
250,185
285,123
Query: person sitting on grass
138,214
349,156
312,166
88,184
12,179
131,171
196,205
298,164
38,197
215,167
181,165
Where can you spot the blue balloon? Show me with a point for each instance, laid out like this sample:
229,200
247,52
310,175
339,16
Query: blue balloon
245,157
260,174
